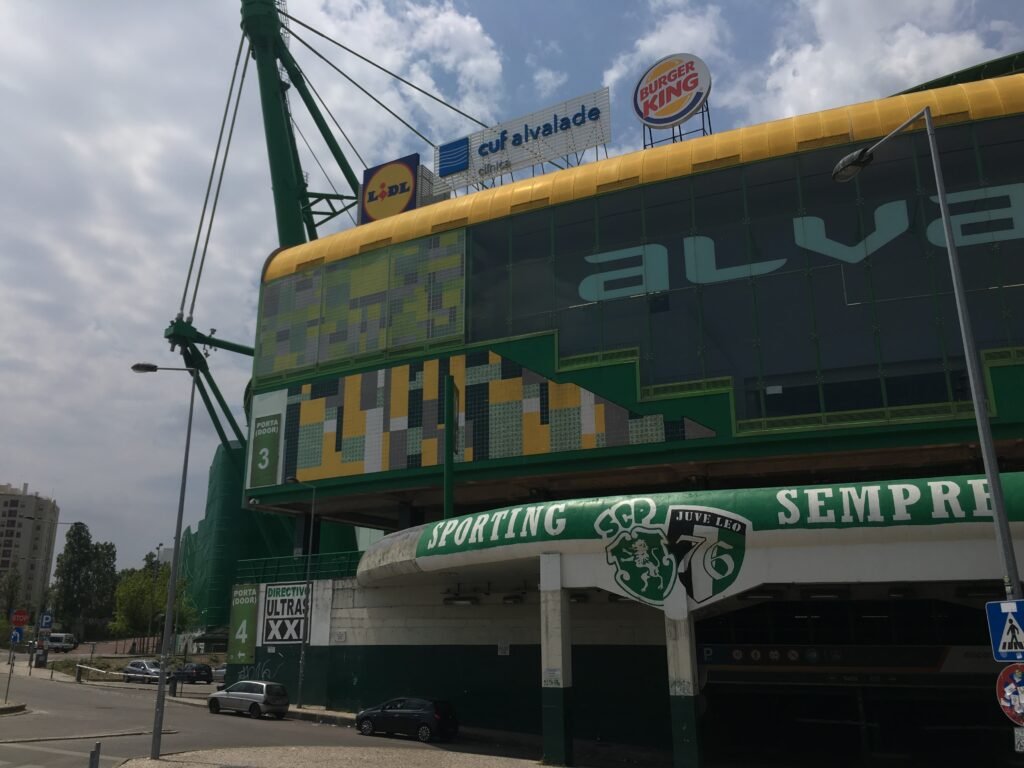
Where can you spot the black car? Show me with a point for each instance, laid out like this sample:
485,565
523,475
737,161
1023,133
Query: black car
423,718
195,673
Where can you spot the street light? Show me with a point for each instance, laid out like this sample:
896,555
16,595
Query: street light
158,714
309,589
845,170
152,588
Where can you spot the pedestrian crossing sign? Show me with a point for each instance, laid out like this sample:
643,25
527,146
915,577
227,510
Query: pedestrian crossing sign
1006,629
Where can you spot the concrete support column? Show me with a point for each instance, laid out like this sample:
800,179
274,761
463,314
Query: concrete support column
556,663
683,688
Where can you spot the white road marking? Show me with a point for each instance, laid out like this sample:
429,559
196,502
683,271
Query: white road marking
56,751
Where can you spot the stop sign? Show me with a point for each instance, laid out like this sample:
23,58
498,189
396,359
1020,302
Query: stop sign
19,618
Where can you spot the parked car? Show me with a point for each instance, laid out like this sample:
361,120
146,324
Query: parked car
195,673
219,673
423,718
60,641
255,697
142,671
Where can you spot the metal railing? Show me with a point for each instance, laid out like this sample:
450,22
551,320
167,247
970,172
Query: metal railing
330,565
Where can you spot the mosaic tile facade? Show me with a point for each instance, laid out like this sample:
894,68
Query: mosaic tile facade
392,419
394,298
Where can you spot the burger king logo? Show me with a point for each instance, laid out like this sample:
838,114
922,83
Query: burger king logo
672,91
389,189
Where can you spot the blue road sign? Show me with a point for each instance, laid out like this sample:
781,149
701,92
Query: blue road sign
16,634
45,620
1005,619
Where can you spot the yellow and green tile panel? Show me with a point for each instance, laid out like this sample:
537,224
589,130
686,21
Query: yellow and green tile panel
402,297
393,418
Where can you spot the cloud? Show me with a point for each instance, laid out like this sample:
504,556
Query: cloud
112,111
547,81
681,29
833,53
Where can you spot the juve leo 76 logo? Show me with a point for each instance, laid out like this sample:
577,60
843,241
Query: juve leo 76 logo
651,549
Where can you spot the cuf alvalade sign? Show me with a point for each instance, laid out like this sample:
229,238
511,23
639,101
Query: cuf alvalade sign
710,544
568,128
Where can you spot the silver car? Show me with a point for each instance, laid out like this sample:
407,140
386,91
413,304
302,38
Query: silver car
141,670
255,697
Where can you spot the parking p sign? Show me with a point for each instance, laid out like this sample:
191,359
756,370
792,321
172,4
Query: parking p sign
46,620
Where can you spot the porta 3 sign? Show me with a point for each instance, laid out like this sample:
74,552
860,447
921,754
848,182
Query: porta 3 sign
285,613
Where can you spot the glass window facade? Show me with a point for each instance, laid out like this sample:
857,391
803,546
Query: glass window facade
812,296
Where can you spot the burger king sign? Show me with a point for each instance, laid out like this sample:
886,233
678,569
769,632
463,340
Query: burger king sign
672,91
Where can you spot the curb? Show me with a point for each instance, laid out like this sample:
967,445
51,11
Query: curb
10,709
309,715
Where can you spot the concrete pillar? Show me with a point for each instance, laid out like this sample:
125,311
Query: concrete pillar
683,688
556,663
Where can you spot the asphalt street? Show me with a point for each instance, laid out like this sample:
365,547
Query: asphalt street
65,720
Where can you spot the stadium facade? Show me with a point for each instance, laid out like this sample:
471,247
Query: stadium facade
710,442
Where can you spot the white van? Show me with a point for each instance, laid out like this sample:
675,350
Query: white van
60,641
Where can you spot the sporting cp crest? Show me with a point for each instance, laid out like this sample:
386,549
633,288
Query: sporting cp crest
652,548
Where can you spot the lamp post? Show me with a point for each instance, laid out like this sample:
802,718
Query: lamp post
309,589
845,170
158,714
152,588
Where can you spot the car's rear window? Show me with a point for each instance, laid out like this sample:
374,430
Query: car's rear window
277,690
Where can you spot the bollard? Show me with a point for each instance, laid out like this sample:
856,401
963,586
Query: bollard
51,670
78,673
94,756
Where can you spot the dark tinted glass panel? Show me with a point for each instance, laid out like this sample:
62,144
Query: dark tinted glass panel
785,324
718,198
488,289
578,330
727,337
624,323
846,337
529,236
531,287
908,331
675,339
619,220
575,239
667,210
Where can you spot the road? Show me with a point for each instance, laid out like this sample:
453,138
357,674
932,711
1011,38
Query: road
65,720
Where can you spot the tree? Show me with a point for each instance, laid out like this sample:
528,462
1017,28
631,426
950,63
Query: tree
10,592
85,581
141,597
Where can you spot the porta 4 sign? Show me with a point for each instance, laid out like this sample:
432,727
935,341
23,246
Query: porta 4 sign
285,613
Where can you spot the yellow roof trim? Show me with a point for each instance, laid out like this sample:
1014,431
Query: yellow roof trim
859,122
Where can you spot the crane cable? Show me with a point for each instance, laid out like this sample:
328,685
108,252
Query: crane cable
330,114
378,66
380,103
209,183
220,181
316,159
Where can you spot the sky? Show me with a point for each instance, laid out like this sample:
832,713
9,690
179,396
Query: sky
109,122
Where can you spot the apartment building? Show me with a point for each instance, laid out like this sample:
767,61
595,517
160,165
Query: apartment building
28,534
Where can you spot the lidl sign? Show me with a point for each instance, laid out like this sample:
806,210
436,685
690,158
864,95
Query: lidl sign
389,189
672,91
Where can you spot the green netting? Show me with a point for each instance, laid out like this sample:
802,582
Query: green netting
229,533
